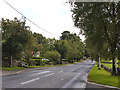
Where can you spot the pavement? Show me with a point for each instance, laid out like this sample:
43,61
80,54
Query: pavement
67,76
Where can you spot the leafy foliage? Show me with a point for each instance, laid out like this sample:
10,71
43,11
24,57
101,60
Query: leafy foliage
15,37
101,27
53,56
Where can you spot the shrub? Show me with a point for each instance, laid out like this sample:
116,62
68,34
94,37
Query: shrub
50,63
53,56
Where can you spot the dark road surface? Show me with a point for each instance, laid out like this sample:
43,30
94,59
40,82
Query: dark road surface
68,76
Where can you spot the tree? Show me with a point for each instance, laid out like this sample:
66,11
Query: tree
101,22
53,56
76,51
30,49
62,47
15,37
65,35
75,46
39,37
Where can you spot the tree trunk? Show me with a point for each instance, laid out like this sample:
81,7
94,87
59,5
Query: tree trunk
99,64
114,69
11,60
61,60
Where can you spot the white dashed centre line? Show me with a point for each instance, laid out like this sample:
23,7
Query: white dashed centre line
49,75
61,71
30,81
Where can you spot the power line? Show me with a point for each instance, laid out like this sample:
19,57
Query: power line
29,19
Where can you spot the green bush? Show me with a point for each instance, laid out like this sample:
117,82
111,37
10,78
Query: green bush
38,57
43,64
36,62
53,56
50,63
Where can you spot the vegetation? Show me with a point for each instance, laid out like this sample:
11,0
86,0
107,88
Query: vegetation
20,45
108,65
20,68
103,77
100,25
53,56
12,68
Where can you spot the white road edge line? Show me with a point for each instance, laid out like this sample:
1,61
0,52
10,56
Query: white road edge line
49,74
30,81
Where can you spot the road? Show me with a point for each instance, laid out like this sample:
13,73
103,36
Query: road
67,76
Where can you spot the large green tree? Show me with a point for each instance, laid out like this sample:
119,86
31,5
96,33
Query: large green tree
100,21
53,56
15,38
75,51
63,48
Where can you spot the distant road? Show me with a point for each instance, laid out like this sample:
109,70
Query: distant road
67,76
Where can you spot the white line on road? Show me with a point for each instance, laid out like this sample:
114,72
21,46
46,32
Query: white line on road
49,75
37,78
30,81
43,72
61,71
70,82
62,79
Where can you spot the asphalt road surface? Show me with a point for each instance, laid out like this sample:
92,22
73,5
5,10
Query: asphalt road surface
68,76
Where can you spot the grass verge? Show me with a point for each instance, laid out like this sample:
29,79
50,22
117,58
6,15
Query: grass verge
108,65
103,77
20,68
110,61
12,68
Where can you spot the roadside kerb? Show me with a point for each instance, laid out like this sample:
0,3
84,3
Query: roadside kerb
101,85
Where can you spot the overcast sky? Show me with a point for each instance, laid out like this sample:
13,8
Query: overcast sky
52,15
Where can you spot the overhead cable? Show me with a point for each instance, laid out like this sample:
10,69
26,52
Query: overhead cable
29,19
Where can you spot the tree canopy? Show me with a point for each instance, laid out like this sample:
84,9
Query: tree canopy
15,37
100,23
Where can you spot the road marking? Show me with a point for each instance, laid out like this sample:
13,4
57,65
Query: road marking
43,72
61,71
49,75
18,72
38,77
30,81
70,82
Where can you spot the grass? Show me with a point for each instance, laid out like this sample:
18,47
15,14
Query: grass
103,77
108,65
110,61
12,68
